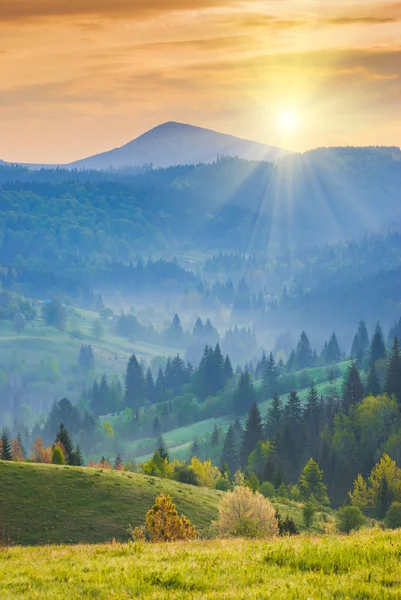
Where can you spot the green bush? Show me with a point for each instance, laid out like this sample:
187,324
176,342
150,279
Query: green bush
223,484
308,512
184,474
253,482
393,516
58,456
350,518
282,491
267,490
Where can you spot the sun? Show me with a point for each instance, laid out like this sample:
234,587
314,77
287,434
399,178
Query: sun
288,120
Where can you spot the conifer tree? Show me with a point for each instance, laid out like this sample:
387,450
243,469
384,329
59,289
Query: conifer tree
161,448
103,397
150,386
353,391
228,369
332,352
215,435
311,483
270,377
5,446
64,439
292,430
393,374
230,454
274,419
312,421
199,328
360,345
160,386
118,463
304,352
78,458
377,347
292,361
252,434
134,385
373,387
245,393
157,428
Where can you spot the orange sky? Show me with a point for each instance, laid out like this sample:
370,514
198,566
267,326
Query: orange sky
83,76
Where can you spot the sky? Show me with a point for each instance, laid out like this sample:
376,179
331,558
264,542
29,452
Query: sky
83,76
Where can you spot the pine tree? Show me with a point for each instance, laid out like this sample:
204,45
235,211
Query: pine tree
230,454
5,446
332,352
150,387
373,387
134,385
292,362
160,386
274,419
118,463
292,429
161,448
245,393
377,347
199,329
215,435
353,391
64,439
228,369
252,434
393,374
78,458
312,420
270,377
311,483
103,397
157,428
304,352
360,345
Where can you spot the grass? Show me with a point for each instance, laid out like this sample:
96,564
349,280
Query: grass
364,566
47,504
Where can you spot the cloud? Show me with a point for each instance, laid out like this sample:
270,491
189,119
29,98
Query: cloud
369,20
11,10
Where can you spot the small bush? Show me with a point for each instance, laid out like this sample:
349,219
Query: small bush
184,474
58,456
252,482
267,490
308,513
393,516
286,526
243,513
223,484
163,523
350,518
282,491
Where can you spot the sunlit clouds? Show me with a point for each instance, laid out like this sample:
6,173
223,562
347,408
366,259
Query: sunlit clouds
81,76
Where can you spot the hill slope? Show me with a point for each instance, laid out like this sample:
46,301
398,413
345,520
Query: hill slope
43,504
178,144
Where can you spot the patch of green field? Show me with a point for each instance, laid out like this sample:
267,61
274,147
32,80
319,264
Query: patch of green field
364,566
43,504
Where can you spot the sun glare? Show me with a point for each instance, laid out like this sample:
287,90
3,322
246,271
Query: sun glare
288,120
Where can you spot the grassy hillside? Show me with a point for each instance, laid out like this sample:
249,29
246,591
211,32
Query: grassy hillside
43,504
362,566
48,504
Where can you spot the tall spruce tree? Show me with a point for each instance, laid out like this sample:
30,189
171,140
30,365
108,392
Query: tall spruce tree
360,345
270,377
150,387
293,441
160,386
78,458
252,434
353,391
393,374
312,418
134,385
228,369
274,419
230,453
373,387
6,453
377,346
64,439
304,352
245,393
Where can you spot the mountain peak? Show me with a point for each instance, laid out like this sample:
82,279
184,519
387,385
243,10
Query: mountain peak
173,143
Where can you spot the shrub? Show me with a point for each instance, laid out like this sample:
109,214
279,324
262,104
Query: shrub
223,484
252,482
308,512
286,527
185,474
393,516
267,490
350,518
243,513
282,491
163,523
58,456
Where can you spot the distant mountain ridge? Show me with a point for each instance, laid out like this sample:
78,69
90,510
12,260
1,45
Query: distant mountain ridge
172,144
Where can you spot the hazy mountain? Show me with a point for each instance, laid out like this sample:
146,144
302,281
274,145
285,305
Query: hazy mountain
178,144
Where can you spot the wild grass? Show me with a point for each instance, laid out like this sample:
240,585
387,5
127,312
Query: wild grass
363,566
